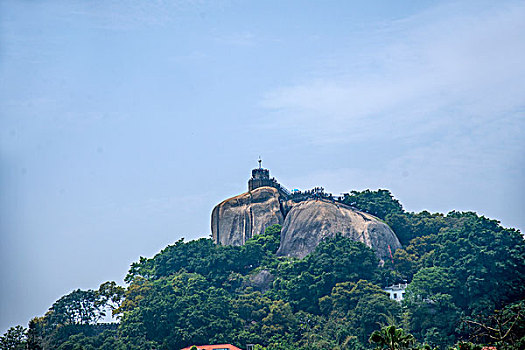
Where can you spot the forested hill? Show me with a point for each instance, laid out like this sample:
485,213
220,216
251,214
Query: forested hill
466,277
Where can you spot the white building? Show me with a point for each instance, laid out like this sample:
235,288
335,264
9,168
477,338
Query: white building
396,291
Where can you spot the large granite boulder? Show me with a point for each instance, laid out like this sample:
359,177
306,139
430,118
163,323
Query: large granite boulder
237,219
310,221
305,224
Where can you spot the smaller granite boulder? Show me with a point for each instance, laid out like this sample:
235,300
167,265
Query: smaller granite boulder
261,281
310,221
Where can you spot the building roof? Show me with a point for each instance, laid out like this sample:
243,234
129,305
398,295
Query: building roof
397,287
213,347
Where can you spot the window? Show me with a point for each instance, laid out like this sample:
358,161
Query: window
395,295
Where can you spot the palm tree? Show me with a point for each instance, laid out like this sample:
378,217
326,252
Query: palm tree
391,338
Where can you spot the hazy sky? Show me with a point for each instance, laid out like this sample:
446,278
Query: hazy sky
123,123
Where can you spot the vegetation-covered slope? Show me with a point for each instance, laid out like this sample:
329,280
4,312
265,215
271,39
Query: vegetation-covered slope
466,274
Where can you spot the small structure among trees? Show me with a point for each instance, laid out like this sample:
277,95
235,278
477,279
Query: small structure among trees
396,291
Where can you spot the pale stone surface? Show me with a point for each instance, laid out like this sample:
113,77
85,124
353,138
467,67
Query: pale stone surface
305,224
310,221
261,281
237,219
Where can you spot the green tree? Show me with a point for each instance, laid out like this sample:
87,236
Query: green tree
392,338
432,314
35,333
379,203
110,295
504,328
269,240
15,338
336,259
77,307
346,295
357,309
486,261
215,262
251,308
410,259
408,226
177,311
371,311
280,322
90,339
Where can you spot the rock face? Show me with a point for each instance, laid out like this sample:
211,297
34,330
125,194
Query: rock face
237,219
310,221
262,281
305,223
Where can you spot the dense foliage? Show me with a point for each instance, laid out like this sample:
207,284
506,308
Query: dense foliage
466,274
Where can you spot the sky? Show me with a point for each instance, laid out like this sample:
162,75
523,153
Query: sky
123,123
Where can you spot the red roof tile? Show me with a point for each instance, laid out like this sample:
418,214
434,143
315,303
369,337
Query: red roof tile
214,347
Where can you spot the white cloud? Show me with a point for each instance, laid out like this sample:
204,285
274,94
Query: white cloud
435,71
439,120
237,39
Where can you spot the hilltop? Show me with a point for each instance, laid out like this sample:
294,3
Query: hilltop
463,270
307,217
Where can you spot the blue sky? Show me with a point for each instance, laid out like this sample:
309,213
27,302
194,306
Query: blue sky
123,122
